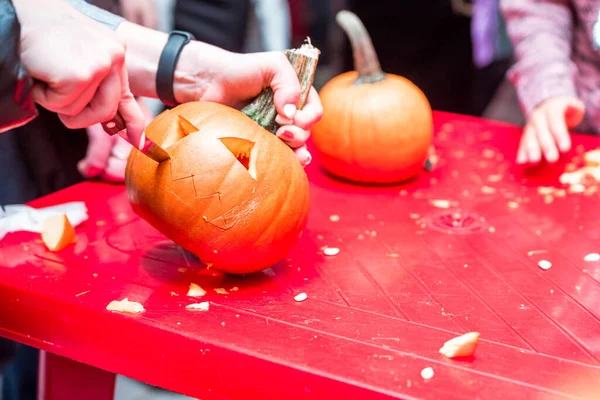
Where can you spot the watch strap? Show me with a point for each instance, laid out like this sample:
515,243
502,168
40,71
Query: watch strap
165,73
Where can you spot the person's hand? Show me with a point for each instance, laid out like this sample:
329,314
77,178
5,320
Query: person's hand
208,73
78,65
547,130
106,156
141,12
243,76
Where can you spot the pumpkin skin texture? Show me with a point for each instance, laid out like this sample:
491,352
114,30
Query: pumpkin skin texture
376,127
237,215
376,133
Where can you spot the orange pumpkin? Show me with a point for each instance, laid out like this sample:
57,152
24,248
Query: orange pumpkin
232,193
376,127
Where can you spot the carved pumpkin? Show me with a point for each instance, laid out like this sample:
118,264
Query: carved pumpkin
232,193
376,127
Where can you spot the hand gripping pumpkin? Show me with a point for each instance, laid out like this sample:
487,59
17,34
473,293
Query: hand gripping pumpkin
232,193
376,127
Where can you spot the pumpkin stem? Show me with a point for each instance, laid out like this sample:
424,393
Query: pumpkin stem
304,60
365,58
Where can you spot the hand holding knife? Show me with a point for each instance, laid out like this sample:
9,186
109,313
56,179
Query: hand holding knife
147,146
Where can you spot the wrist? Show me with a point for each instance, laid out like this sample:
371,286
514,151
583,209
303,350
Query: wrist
196,70
143,49
196,67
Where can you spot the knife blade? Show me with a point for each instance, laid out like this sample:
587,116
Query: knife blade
116,126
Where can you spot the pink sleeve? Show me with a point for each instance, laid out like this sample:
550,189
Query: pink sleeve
541,33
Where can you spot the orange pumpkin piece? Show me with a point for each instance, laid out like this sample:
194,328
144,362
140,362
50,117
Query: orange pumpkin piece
232,193
376,128
57,232
461,346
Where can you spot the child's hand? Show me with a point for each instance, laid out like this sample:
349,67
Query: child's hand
547,130
106,156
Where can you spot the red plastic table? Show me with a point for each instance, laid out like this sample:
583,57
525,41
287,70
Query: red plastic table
407,278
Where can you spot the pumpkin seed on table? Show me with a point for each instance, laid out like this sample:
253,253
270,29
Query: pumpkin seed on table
427,373
300,297
545,264
331,251
440,203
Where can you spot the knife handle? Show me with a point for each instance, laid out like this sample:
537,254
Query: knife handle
115,125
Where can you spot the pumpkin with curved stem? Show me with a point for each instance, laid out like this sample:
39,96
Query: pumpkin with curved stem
376,127
232,193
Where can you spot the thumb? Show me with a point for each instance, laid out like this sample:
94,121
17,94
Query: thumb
574,112
285,85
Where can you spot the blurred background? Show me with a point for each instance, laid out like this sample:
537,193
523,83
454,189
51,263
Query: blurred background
456,51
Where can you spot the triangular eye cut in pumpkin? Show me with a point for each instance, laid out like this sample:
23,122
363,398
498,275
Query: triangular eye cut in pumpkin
242,150
185,126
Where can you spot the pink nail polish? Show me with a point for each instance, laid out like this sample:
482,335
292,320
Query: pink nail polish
287,135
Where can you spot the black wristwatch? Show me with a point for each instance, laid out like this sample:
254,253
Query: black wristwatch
167,63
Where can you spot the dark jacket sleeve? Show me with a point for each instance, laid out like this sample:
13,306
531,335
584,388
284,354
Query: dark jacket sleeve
16,103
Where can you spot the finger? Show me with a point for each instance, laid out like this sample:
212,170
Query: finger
115,170
532,146
102,107
557,125
311,113
545,138
121,148
83,99
55,98
292,135
522,152
283,120
98,151
279,74
131,112
574,113
303,156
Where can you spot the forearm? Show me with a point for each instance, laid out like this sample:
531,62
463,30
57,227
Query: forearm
104,17
195,70
541,33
